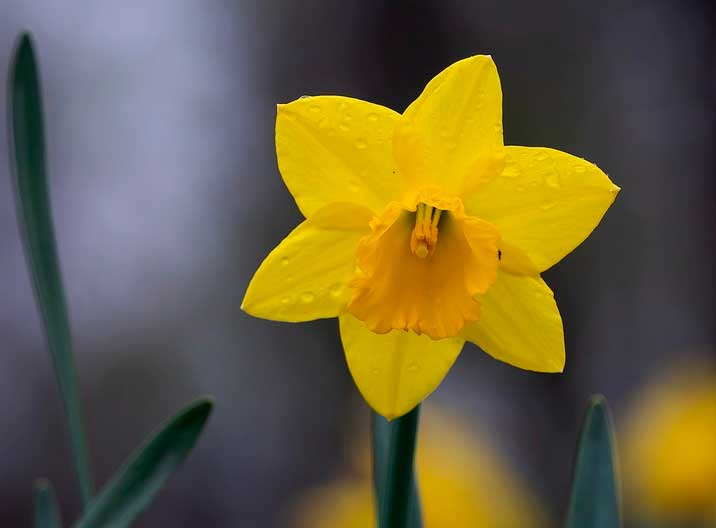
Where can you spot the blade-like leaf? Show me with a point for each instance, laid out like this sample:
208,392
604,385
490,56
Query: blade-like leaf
397,499
595,500
47,514
27,153
136,484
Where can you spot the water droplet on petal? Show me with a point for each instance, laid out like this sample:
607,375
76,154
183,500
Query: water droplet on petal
344,127
510,172
373,117
307,297
547,206
520,188
375,371
286,300
413,366
315,109
580,169
284,261
336,290
361,144
552,180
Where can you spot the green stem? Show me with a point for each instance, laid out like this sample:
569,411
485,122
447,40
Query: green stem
27,150
398,503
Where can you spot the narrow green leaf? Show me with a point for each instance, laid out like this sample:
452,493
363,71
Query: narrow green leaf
27,153
595,500
141,478
47,514
397,499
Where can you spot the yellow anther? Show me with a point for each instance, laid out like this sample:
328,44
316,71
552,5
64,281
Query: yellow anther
425,234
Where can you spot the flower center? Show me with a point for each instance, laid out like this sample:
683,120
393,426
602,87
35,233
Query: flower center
406,281
424,238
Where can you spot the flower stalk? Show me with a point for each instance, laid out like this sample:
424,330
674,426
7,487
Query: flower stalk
398,503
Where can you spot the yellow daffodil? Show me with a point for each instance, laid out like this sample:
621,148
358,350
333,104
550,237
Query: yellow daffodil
424,231
669,449
463,481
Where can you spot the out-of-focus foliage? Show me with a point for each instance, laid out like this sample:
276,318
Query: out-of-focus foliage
669,448
47,513
462,478
596,498
138,482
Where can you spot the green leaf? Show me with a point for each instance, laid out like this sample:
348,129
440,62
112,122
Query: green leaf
398,502
595,500
141,478
27,153
47,514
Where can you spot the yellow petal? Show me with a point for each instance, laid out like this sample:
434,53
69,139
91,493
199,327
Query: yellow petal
337,149
520,324
451,135
305,277
516,261
395,371
546,202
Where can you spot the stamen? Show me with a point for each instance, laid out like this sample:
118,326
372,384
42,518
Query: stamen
424,238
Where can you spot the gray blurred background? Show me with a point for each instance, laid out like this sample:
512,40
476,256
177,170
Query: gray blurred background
166,196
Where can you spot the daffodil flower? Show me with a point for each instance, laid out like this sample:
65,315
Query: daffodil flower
424,231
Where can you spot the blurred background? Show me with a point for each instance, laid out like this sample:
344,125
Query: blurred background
166,196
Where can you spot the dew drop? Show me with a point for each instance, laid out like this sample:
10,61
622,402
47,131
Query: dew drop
286,300
361,144
373,117
547,206
336,290
520,188
541,156
413,366
284,261
353,188
510,172
552,180
375,371
307,297
305,97
315,109
580,168
343,106
344,127
347,117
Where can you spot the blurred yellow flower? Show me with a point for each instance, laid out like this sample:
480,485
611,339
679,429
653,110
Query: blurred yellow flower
463,483
669,449
423,231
